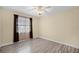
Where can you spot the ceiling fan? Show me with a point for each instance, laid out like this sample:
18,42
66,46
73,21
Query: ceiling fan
41,9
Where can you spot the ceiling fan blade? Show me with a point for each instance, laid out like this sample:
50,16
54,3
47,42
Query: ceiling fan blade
46,10
48,7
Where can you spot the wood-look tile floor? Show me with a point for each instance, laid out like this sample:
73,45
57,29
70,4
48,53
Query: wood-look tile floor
38,46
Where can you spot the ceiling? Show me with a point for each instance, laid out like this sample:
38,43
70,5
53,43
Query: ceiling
29,10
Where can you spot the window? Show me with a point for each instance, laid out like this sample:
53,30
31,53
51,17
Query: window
23,24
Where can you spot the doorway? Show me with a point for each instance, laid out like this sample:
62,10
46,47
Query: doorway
22,28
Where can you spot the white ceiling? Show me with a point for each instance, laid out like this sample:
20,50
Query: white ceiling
29,10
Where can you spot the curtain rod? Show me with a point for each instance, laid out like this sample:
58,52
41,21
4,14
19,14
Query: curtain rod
23,16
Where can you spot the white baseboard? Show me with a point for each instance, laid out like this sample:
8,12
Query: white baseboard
6,44
60,42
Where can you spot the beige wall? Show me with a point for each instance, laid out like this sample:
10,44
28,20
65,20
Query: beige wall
35,26
7,27
7,20
0,28
62,27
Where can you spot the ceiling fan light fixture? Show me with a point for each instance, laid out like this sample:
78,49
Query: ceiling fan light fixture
40,9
